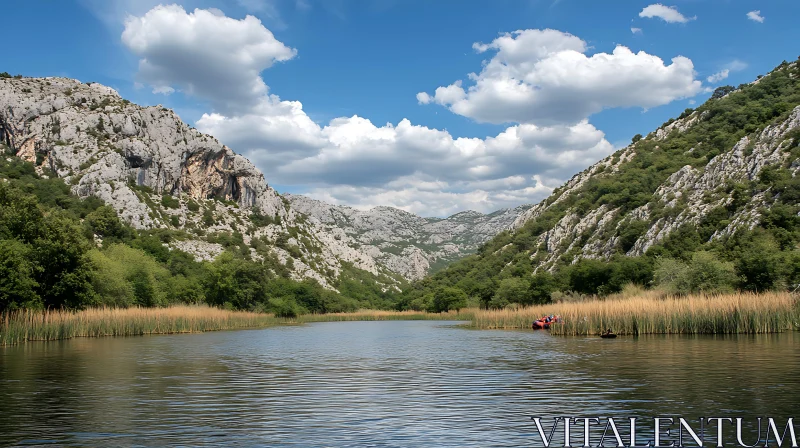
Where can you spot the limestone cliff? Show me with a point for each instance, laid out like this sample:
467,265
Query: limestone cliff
408,244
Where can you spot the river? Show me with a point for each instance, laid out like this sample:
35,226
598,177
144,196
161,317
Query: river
414,383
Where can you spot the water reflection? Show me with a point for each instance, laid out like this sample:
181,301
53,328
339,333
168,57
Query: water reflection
376,383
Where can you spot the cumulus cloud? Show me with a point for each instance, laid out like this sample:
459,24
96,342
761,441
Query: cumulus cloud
668,14
719,76
424,197
204,53
351,160
545,77
755,16
635,30
358,152
424,98
419,169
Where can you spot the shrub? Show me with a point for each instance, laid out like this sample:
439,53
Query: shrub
511,290
449,298
170,202
703,273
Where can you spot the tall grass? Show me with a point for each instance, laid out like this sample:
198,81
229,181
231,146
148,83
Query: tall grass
647,313
22,326
650,314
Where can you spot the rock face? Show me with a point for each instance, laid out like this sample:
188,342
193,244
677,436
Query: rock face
406,243
158,172
686,198
106,146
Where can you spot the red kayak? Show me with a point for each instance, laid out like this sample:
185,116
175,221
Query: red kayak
545,322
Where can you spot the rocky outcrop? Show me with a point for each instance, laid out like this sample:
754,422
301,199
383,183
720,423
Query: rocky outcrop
403,242
106,147
158,172
688,195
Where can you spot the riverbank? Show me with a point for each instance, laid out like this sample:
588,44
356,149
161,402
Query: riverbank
645,314
26,326
650,314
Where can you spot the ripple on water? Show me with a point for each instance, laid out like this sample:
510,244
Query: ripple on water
416,383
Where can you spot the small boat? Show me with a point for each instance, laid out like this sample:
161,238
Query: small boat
545,322
608,334
540,325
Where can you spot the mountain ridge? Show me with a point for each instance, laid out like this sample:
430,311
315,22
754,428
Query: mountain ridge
407,243
718,183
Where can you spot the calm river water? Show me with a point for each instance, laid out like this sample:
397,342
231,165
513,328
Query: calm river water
417,383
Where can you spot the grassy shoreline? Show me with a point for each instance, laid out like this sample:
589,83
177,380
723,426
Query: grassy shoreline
27,326
645,314
649,314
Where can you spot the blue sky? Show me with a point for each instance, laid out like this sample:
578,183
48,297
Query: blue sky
346,59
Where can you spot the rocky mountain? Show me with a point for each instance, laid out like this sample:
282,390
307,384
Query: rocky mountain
159,173
721,179
687,197
408,244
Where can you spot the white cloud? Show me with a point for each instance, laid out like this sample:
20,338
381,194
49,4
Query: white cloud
163,90
736,65
205,54
755,16
668,14
424,98
357,152
544,77
411,195
636,30
733,66
352,161
719,76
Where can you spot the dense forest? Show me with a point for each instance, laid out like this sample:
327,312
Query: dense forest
508,270
60,251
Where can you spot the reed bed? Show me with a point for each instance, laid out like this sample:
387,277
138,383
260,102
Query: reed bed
371,315
697,314
18,327
649,313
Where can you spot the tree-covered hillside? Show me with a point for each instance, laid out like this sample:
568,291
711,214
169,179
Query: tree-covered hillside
708,202
61,251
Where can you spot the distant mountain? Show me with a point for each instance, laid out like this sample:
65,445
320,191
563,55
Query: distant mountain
405,243
721,179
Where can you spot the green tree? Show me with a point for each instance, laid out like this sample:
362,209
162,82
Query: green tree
761,266
703,273
543,285
105,222
17,277
232,280
449,298
512,290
